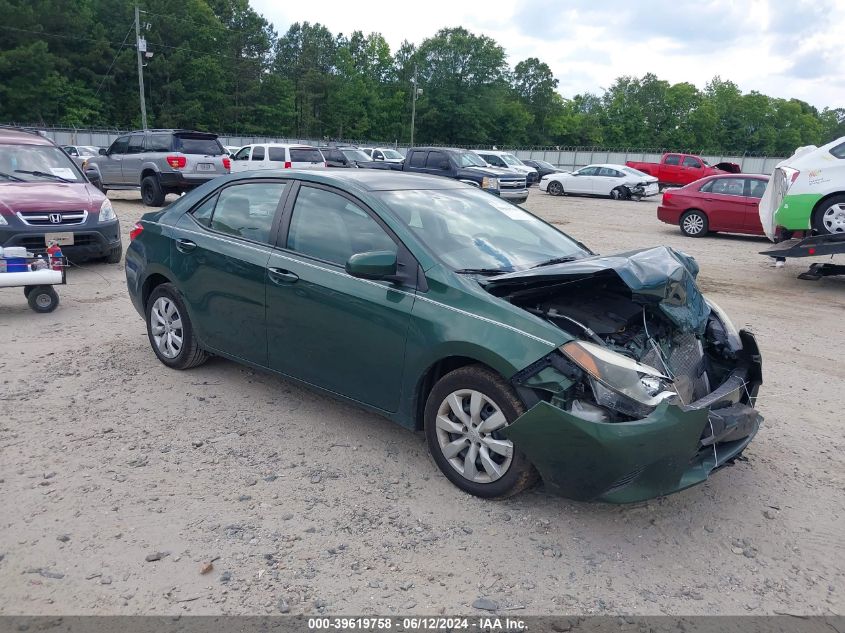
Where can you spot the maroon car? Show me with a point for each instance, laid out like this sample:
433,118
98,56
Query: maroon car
726,202
43,193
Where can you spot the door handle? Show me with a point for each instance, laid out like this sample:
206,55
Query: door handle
185,246
710,199
282,276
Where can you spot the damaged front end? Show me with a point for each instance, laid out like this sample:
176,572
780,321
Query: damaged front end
654,392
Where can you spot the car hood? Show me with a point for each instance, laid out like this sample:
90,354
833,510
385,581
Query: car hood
35,196
660,276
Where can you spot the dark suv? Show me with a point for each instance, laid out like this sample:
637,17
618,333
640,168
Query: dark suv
44,196
159,162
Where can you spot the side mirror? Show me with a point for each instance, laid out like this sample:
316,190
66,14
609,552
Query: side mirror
102,151
379,157
372,265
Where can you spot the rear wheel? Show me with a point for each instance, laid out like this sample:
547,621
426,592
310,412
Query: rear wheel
170,331
829,217
151,192
694,223
42,298
555,188
464,415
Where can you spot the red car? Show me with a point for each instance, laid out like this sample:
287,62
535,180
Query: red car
682,169
716,203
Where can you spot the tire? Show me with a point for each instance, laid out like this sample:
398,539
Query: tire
555,188
151,192
27,290
184,355
115,255
619,193
42,298
829,216
694,223
443,430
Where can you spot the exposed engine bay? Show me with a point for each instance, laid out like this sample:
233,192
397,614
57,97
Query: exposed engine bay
637,346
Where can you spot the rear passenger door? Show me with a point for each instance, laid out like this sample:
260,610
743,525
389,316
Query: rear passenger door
258,158
754,188
219,255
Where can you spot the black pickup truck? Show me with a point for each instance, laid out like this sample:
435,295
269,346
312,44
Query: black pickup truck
463,165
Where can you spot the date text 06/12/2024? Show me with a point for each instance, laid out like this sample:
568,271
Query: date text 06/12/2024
440,623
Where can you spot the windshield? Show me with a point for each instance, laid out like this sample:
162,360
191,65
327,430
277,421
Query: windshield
20,161
392,153
468,159
355,154
512,160
199,145
635,172
471,229
545,165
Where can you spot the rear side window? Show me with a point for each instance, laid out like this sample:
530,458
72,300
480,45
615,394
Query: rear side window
202,213
838,151
277,154
417,159
756,188
607,171
258,152
673,159
247,210
158,142
198,145
305,155
136,144
727,186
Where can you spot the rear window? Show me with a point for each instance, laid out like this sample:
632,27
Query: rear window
198,145
305,155
838,151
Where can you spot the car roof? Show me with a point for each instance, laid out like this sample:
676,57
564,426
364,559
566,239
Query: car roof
740,175
288,145
361,179
19,136
495,152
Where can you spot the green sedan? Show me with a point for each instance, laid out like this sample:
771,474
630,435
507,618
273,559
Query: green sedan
520,353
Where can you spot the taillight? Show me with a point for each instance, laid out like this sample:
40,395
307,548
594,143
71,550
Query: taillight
227,164
136,231
794,177
288,164
666,197
177,162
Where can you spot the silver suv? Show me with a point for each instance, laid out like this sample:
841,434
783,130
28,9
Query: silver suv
158,162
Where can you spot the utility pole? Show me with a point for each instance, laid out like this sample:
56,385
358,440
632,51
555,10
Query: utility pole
414,105
138,45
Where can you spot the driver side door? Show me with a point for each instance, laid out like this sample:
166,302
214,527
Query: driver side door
582,180
111,164
325,327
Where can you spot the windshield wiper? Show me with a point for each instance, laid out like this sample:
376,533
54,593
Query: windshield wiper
482,271
43,174
11,177
556,260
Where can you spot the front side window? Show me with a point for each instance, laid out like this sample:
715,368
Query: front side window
470,229
588,171
838,151
119,146
689,161
377,155
468,159
246,210
673,159
392,154
243,154
512,160
330,227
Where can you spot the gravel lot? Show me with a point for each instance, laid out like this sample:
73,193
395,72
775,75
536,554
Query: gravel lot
108,461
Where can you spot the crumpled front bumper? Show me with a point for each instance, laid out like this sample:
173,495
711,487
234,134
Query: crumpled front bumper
675,447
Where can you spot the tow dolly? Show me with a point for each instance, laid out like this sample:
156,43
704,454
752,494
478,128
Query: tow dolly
813,246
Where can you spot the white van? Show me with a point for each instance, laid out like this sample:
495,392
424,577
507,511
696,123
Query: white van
273,156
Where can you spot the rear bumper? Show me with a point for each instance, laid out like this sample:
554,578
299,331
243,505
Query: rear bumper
178,180
667,215
673,448
91,240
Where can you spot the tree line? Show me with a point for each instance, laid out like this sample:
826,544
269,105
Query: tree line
219,65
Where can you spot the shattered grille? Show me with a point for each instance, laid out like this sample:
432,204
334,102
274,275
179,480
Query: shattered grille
686,363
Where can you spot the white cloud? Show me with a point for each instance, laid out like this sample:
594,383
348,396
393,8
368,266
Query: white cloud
783,48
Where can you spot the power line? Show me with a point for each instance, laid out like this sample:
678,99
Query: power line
126,37
58,35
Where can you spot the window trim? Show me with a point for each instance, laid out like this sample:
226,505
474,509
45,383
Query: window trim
277,217
404,257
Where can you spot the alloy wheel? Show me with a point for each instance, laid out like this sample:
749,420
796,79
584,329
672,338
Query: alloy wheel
693,224
834,218
555,188
166,327
468,425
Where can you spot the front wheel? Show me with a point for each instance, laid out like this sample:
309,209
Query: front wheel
170,331
694,223
465,414
829,218
555,188
114,255
619,193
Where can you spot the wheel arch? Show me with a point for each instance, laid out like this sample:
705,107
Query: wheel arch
148,170
153,281
819,206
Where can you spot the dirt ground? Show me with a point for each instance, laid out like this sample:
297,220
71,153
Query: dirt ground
108,460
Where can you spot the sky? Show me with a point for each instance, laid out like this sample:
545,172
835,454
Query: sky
782,48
